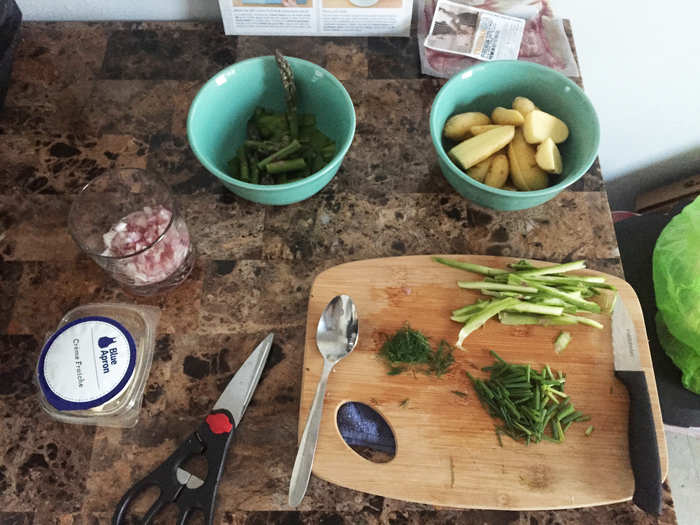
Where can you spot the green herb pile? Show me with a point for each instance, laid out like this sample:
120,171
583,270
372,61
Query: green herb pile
410,349
528,402
527,295
281,146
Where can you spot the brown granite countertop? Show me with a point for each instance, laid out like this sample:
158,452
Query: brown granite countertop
86,97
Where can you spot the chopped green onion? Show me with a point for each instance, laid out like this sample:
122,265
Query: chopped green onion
519,396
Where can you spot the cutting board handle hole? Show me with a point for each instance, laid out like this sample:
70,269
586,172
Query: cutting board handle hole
366,432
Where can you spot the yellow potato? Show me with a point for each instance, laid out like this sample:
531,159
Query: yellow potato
476,149
548,157
479,170
523,105
457,126
524,171
506,117
540,125
498,172
478,130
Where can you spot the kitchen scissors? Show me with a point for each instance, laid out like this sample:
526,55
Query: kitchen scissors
211,439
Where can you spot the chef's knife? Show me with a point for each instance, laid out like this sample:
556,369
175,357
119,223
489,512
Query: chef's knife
644,450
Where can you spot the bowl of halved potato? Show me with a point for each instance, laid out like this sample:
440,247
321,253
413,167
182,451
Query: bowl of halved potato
511,135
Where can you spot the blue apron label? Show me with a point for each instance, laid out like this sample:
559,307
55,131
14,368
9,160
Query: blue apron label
86,363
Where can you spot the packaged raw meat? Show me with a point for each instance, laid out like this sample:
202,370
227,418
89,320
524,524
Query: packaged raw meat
544,40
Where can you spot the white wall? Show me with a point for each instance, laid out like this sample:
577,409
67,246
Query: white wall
639,61
640,67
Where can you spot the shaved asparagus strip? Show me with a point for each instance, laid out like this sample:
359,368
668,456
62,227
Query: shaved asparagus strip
482,285
470,308
583,320
516,319
470,267
477,320
531,308
559,345
568,297
557,268
530,295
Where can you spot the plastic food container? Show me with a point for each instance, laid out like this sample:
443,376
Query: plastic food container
93,369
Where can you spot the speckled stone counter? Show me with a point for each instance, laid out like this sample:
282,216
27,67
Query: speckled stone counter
89,97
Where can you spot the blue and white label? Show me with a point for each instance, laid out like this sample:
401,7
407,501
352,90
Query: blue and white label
86,363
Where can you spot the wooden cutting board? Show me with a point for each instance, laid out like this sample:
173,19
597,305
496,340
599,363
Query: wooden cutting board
447,453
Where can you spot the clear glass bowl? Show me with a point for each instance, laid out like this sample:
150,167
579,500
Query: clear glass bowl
127,221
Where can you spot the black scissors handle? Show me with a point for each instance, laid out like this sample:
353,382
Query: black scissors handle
211,439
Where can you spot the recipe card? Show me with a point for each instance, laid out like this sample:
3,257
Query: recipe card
317,17
473,32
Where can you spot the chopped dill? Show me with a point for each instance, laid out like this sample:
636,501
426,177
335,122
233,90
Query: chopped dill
410,349
458,393
441,359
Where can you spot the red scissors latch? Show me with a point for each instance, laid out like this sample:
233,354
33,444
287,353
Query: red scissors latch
219,423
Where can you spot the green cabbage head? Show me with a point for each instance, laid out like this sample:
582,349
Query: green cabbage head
676,268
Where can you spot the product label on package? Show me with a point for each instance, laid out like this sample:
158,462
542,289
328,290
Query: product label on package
86,363
476,33
317,17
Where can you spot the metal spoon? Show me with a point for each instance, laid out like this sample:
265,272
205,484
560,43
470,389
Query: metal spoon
336,336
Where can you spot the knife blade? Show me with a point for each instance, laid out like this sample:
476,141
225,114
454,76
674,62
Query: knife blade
644,450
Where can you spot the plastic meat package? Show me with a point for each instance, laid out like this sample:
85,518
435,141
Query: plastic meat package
544,39
676,269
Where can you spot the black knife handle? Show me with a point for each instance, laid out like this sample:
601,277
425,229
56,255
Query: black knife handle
644,449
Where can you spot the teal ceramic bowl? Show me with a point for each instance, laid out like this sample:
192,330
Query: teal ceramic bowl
216,123
491,84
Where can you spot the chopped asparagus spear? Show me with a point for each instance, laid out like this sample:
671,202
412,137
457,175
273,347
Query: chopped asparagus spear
285,152
243,161
254,170
265,147
252,130
290,90
234,168
284,166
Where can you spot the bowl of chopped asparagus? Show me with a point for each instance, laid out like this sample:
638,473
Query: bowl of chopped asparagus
273,129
